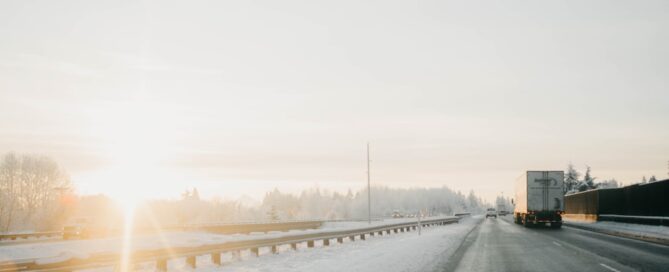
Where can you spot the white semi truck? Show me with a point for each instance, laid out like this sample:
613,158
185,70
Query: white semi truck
539,198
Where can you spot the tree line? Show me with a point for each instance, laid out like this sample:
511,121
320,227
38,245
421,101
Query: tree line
573,182
36,194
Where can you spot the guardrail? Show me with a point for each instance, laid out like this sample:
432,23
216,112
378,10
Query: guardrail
230,228
257,227
14,236
161,256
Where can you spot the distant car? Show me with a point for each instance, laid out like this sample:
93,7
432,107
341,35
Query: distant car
397,214
491,212
502,213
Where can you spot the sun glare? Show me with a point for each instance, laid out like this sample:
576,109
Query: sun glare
126,251
136,141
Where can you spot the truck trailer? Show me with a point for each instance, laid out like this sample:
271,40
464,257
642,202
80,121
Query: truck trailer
539,199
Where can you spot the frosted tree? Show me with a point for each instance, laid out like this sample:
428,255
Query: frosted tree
474,203
571,179
588,181
31,192
273,214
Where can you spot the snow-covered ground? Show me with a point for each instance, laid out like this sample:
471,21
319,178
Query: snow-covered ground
632,229
59,250
396,252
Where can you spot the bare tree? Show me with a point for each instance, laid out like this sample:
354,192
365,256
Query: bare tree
8,186
31,187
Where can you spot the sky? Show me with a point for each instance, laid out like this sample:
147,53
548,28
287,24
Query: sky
149,98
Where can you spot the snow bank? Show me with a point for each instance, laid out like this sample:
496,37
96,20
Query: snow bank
397,252
52,251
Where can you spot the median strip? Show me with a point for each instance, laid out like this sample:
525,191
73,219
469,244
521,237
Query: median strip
162,255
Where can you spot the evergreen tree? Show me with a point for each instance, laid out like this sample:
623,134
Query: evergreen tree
473,202
571,178
643,180
273,214
652,179
588,182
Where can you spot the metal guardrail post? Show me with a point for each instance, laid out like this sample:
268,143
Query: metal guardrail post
191,261
216,258
161,265
310,243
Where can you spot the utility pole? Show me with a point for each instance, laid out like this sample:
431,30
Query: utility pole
369,190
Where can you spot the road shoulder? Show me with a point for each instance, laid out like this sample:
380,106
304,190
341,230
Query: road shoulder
636,235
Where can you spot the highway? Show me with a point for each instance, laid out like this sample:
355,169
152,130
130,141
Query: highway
501,245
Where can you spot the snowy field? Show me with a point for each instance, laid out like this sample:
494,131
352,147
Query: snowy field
58,250
397,252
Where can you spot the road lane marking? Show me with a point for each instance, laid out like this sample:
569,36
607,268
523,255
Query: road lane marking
609,268
557,244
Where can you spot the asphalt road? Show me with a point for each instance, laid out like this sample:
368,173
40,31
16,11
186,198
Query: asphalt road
501,245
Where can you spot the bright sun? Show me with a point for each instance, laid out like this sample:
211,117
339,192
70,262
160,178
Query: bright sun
136,139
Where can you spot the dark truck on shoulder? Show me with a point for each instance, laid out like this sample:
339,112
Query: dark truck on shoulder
539,199
84,228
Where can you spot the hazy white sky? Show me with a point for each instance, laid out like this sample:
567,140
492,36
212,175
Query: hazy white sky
238,97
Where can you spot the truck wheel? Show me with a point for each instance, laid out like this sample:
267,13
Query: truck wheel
525,222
